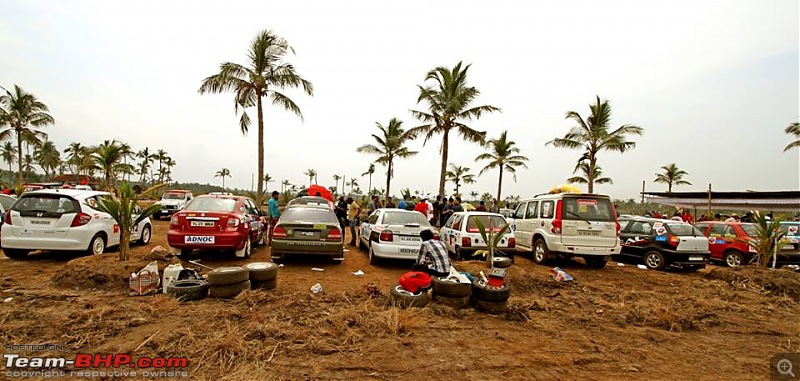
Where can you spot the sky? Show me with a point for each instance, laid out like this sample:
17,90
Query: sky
713,84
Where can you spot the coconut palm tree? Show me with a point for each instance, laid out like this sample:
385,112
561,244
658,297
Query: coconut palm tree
312,176
459,174
285,184
20,114
592,135
388,145
264,74
794,131
146,158
168,164
9,153
161,157
224,172
336,178
583,167
503,155
672,175
353,183
449,102
27,165
123,209
474,195
75,153
48,157
108,158
267,179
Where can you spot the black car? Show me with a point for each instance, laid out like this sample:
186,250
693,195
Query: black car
659,244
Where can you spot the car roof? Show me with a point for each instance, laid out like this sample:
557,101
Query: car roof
75,193
397,210
229,196
474,213
560,195
726,223
178,191
650,219
311,198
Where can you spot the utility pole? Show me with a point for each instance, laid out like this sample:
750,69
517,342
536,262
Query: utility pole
643,181
252,181
709,201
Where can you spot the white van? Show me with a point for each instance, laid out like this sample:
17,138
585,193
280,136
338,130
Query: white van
568,225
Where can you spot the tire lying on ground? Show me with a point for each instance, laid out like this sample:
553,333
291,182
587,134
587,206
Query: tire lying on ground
262,271
264,284
188,289
502,262
484,292
455,303
223,276
490,307
399,297
229,290
450,288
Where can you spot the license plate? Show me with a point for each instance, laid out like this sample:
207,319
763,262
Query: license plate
199,239
695,258
306,234
589,232
40,222
409,251
410,239
202,224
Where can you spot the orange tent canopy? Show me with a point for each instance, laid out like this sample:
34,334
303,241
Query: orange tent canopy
323,192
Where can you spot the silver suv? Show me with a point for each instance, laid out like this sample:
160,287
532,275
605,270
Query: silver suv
568,225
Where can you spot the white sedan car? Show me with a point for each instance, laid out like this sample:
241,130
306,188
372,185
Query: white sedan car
393,233
462,237
63,219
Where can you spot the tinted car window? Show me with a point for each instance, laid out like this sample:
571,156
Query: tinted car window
587,208
683,230
212,204
750,230
729,231
640,227
497,223
520,212
173,196
7,201
531,213
457,221
399,218
716,230
52,203
309,215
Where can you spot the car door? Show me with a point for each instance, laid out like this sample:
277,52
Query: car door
445,232
365,231
254,218
716,240
102,220
636,237
455,235
522,228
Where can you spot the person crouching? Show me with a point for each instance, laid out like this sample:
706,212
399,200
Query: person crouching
432,258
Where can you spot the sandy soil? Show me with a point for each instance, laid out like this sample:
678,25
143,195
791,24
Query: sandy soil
617,323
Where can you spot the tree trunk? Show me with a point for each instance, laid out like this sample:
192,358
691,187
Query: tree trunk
443,170
458,185
590,175
369,187
500,184
124,242
388,178
669,187
223,182
19,149
260,189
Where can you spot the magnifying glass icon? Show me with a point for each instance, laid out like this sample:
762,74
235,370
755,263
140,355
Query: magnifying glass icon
785,367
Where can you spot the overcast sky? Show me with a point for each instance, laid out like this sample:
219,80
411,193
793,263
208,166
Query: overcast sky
713,83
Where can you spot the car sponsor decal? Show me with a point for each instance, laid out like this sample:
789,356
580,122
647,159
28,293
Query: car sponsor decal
97,216
720,242
202,239
305,243
792,230
661,231
587,202
408,251
320,226
712,240
661,238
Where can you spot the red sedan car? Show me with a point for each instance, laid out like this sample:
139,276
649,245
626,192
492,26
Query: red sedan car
727,243
218,222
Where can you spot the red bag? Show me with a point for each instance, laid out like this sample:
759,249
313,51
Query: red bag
414,281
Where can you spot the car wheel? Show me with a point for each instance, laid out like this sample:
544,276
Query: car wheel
245,251
263,240
733,258
229,290
399,297
541,254
15,253
146,235
373,260
483,291
654,260
595,263
452,302
222,276
97,245
264,284
502,262
262,271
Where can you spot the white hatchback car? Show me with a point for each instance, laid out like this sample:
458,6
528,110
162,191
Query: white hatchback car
393,233
63,219
463,238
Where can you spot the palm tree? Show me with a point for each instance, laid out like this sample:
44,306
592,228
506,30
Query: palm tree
27,165
224,172
794,130
390,144
353,183
474,195
9,153
75,153
584,168
312,176
161,156
122,208
264,74
285,184
457,174
48,157
267,179
169,163
336,178
20,111
502,155
672,175
146,157
108,157
592,136
449,106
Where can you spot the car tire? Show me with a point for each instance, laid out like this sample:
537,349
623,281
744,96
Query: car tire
147,234
263,240
373,259
229,290
733,258
361,244
262,271
595,263
654,260
222,276
541,254
502,262
264,284
452,302
399,297
483,291
492,308
15,253
450,288
97,245
188,289
245,251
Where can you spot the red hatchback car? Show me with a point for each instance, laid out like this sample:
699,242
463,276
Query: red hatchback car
726,241
218,222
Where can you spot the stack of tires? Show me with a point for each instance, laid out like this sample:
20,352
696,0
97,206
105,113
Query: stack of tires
450,292
263,275
490,299
227,282
400,297
188,289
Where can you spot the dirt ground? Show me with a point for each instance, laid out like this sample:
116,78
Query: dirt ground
612,324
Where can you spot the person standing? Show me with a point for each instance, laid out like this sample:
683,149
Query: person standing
495,208
430,213
481,207
341,212
411,204
446,212
432,258
457,207
422,207
403,202
274,211
437,211
373,205
390,203
352,214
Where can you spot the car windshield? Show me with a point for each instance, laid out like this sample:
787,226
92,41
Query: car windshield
750,229
46,203
173,196
212,204
684,229
309,201
496,222
588,208
400,218
309,215
7,201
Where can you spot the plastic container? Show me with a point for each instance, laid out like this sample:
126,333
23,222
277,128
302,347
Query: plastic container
171,273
